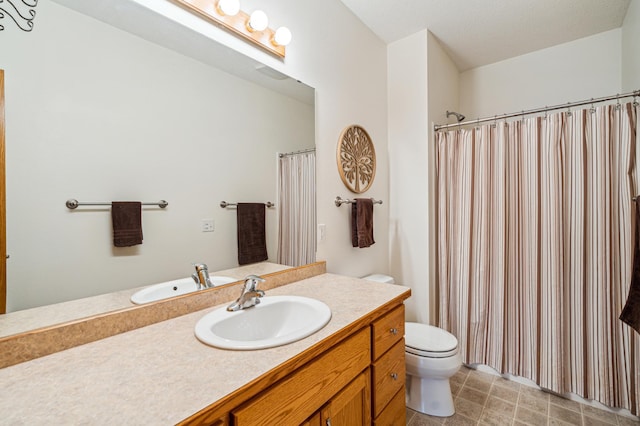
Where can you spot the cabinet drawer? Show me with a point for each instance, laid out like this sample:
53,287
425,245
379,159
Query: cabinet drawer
387,331
295,398
388,377
395,413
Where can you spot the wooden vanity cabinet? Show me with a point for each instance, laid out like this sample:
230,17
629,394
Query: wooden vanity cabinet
388,369
352,406
298,396
359,381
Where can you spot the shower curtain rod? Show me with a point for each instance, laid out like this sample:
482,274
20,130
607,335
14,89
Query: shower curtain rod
302,151
635,93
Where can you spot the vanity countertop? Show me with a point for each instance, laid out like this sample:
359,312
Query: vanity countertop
161,374
44,316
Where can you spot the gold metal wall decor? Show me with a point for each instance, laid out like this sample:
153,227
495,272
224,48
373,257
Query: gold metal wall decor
356,158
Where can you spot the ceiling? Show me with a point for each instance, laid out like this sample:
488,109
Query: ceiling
481,32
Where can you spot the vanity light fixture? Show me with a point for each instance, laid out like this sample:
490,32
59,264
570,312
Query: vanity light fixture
253,28
282,37
258,21
228,7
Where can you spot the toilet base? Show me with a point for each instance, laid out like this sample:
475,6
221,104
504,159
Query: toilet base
429,396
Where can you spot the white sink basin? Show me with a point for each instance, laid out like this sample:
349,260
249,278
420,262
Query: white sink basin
276,321
173,288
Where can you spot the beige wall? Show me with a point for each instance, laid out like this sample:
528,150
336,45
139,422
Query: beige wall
408,158
586,68
423,84
631,48
347,64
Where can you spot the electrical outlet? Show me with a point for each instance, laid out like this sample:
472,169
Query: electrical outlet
208,225
322,232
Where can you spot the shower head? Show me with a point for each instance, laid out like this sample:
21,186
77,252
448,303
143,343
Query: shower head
459,116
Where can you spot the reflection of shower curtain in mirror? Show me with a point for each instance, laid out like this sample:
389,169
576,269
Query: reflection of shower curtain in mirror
535,249
297,209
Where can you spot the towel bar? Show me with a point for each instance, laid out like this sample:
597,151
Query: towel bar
73,203
224,204
339,201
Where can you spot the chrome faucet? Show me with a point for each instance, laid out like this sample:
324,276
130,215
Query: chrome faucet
201,276
250,295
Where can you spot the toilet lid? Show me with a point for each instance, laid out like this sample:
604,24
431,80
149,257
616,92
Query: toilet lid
429,341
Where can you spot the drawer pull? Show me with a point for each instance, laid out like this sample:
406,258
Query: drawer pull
329,422
393,331
394,376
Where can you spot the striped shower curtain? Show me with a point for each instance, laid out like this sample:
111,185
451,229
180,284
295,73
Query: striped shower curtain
297,211
535,249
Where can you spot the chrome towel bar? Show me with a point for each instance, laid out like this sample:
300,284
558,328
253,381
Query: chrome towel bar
339,201
224,204
73,203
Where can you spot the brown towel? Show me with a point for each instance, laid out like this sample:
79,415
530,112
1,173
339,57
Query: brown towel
362,223
126,217
252,241
631,312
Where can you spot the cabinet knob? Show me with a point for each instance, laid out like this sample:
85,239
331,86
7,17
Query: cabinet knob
394,376
394,331
329,422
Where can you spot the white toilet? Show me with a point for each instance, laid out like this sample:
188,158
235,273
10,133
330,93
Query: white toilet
431,357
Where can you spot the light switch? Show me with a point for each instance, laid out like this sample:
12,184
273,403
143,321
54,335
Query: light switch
208,225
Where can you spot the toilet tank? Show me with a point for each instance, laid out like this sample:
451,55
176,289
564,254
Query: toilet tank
381,278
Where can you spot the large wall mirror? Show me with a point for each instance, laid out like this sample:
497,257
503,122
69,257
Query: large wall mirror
132,106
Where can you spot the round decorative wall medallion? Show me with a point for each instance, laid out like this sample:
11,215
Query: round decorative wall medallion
356,159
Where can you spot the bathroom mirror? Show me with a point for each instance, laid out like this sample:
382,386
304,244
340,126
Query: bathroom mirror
141,108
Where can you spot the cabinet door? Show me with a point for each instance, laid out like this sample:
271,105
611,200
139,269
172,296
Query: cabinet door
351,406
300,394
315,420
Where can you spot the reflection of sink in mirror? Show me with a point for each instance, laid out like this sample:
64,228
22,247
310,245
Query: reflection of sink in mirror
276,321
173,288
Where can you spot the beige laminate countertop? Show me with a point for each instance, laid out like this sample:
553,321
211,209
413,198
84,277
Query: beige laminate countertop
161,374
45,316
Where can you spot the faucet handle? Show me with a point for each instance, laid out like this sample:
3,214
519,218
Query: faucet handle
251,282
200,266
201,276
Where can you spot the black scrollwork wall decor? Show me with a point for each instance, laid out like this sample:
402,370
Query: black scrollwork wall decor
22,12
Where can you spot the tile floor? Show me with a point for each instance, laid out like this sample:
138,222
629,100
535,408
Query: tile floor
485,399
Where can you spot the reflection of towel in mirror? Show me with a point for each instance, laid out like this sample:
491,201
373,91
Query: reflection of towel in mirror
126,217
362,223
252,241
631,312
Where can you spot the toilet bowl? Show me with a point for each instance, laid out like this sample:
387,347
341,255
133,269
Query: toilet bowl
431,358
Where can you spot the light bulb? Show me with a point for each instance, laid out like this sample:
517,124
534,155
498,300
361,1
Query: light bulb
229,7
282,36
258,21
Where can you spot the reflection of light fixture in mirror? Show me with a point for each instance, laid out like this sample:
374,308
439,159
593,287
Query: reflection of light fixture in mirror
258,21
229,7
254,28
282,37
